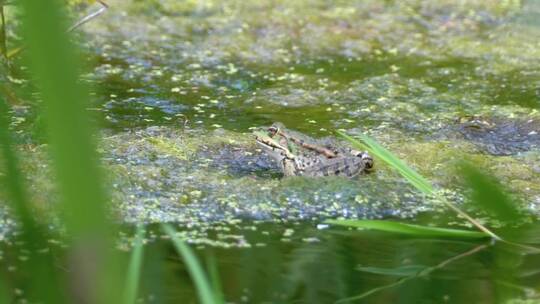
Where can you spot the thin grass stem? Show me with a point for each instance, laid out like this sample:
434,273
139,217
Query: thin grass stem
11,53
134,267
90,16
422,273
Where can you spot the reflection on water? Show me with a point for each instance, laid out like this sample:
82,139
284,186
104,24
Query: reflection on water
298,263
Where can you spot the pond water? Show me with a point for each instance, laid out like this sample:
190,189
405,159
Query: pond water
300,263
179,86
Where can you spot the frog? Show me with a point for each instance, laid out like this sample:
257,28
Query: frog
300,155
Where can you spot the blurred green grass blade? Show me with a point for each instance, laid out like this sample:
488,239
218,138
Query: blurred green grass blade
4,294
3,44
410,230
54,65
12,179
213,271
377,150
13,52
489,195
401,271
44,281
200,280
134,267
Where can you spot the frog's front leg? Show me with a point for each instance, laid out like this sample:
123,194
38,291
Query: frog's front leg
300,142
274,145
289,167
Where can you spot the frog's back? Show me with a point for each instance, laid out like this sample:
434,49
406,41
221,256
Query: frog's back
349,166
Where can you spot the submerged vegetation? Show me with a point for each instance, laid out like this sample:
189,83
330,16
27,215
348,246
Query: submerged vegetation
130,174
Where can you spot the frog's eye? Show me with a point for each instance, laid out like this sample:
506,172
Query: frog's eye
272,131
358,153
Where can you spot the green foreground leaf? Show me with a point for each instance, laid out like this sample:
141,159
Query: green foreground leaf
417,180
489,195
54,66
409,229
202,284
134,268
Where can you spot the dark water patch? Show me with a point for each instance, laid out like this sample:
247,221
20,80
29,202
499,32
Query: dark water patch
346,69
501,136
240,94
136,112
518,87
325,94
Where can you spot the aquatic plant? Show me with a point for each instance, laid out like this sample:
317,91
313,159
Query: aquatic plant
134,266
420,182
486,194
202,283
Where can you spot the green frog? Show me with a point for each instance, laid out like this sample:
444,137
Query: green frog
300,155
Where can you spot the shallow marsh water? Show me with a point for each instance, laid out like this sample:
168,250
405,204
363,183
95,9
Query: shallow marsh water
181,84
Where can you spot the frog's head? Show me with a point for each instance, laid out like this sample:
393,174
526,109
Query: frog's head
367,160
268,141
275,128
